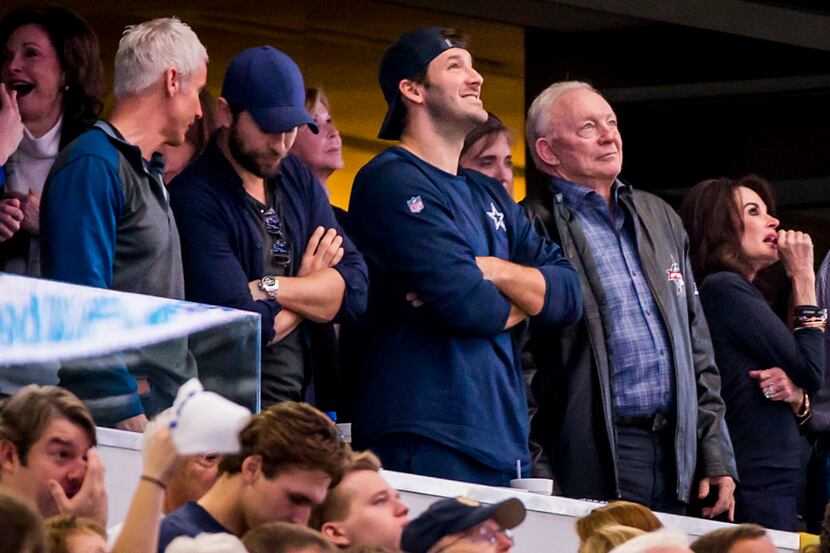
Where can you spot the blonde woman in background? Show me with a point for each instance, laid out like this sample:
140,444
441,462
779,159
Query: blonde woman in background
322,152
626,513
606,538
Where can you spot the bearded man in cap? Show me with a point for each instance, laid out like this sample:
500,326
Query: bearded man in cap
257,230
455,265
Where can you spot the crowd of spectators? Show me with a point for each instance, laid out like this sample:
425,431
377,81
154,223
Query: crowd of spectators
427,305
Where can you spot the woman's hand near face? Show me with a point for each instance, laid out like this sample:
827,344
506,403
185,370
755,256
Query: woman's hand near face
10,217
796,251
30,206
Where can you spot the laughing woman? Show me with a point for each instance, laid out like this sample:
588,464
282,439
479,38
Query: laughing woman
767,369
50,58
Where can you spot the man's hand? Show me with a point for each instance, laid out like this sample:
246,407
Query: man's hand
10,218
324,250
30,206
91,499
137,423
11,127
161,459
726,496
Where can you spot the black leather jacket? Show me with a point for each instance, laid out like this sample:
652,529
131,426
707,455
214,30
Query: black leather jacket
572,387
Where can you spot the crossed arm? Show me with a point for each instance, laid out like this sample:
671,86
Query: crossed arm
523,286
316,293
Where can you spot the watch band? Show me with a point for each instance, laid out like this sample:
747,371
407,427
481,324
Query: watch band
270,285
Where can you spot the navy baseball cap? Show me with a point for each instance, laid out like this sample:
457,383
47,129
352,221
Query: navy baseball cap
403,60
268,84
450,516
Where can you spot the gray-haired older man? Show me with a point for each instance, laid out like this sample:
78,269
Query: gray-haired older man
105,214
634,383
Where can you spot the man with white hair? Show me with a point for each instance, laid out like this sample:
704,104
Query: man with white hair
634,382
105,216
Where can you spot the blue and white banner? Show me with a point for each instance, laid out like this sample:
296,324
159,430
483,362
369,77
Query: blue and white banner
42,320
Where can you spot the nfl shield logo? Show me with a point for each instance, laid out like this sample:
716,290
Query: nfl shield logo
415,204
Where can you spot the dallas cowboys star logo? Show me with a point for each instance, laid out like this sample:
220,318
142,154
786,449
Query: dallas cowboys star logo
497,217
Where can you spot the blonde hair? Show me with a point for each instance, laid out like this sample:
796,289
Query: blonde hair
626,513
60,528
664,537
606,538
337,502
314,96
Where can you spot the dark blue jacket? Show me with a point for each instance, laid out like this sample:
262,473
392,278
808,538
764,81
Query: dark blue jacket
222,246
446,370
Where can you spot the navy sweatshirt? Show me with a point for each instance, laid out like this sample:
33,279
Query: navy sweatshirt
446,370
222,247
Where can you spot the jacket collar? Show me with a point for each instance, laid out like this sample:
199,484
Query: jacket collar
154,167
220,169
571,194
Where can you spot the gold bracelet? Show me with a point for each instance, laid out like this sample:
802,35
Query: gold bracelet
805,411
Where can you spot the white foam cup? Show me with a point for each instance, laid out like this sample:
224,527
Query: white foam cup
542,486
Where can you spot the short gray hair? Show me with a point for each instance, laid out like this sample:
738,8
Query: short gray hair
665,537
148,49
538,120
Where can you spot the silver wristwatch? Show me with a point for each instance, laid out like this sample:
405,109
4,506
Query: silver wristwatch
270,285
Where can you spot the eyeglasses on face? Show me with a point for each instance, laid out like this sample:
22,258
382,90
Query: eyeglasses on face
480,533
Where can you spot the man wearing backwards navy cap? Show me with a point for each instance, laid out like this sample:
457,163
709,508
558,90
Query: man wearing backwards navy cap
257,231
455,264
463,524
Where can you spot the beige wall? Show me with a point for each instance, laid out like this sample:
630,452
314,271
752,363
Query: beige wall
338,45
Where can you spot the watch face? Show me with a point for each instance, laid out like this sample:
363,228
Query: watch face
269,281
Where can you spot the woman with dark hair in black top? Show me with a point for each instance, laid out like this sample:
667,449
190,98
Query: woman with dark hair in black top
767,369
49,59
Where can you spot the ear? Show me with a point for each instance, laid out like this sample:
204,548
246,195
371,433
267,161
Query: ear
251,469
412,91
224,117
8,457
172,81
546,151
335,534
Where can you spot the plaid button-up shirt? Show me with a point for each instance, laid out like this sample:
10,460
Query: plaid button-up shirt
635,334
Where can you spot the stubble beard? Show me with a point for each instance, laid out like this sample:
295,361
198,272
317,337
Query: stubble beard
248,159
